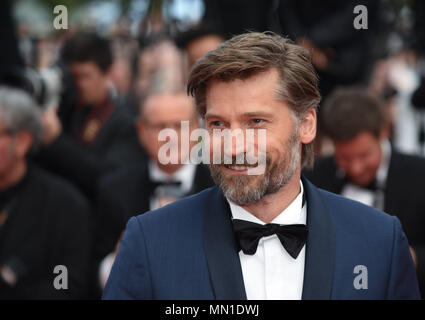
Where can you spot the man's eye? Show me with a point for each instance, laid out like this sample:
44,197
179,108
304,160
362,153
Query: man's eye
257,121
216,123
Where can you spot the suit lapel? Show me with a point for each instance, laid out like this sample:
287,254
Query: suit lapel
320,247
338,178
392,192
220,249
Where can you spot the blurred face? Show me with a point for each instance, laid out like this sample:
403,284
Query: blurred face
6,151
252,104
13,148
91,82
359,157
200,46
161,112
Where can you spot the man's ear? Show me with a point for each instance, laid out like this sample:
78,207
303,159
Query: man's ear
308,127
23,143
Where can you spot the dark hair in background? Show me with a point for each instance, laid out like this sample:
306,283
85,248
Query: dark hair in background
184,38
349,111
86,47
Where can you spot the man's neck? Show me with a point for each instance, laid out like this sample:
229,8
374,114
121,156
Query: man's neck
14,176
271,205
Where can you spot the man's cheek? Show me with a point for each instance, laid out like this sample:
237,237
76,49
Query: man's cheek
216,150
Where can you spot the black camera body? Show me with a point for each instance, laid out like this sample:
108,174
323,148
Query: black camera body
50,87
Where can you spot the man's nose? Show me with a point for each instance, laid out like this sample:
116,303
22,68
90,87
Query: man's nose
234,143
80,84
356,168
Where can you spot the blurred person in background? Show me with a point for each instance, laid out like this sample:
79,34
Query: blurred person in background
125,49
341,54
160,67
196,42
150,185
44,221
367,168
95,135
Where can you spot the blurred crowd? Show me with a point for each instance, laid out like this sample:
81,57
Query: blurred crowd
80,113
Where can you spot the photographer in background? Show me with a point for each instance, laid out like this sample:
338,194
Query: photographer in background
95,135
44,221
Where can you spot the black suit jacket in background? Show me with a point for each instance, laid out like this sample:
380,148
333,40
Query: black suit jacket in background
48,226
404,197
125,194
115,147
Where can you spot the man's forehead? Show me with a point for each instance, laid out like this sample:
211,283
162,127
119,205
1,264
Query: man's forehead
362,141
269,74
168,105
250,96
257,83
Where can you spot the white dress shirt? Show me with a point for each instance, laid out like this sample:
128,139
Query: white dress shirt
271,273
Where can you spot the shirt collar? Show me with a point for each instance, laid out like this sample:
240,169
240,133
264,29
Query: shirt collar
293,214
185,174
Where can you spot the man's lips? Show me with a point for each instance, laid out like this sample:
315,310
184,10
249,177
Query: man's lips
237,168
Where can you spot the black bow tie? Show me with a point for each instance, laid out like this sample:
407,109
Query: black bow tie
156,184
372,186
292,237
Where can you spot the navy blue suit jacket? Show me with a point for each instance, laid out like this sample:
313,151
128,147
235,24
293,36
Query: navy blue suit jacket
187,250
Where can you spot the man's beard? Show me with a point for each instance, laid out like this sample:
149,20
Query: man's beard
247,189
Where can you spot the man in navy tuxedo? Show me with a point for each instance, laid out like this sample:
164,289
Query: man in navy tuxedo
265,236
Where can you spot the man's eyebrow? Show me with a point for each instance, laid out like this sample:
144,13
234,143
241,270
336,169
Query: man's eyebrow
258,114
212,115
246,114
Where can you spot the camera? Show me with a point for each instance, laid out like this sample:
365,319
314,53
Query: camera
50,87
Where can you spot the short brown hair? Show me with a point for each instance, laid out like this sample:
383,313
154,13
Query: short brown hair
349,111
247,54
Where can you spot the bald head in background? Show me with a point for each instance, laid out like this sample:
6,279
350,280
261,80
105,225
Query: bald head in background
160,111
